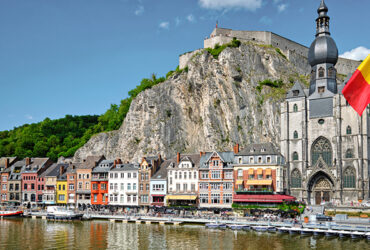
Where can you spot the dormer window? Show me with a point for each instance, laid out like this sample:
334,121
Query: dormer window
263,150
295,92
251,160
252,150
259,159
240,160
268,159
321,90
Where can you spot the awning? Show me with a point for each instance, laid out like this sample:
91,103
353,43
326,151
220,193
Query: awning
267,198
181,197
259,182
259,171
251,171
268,171
239,182
158,195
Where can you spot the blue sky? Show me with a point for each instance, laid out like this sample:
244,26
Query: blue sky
76,57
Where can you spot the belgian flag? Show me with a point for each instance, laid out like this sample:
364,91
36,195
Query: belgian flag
357,90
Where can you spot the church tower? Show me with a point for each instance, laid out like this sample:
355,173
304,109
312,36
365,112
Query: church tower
322,56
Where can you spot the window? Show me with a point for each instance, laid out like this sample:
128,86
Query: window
71,177
203,198
251,160
227,198
111,175
205,175
296,179
185,187
61,197
111,186
195,175
146,176
216,174
4,186
349,153
177,187
115,186
134,175
215,186
349,178
32,186
121,198
95,186
87,176
295,108
321,72
260,176
349,130
331,72
295,135
227,186
203,186
295,156
128,198
141,187
295,92
122,186
144,198
175,175
215,163
170,180
115,198
321,121
215,198
147,187
134,186
228,174
321,90
321,147
115,175
87,185
134,198
240,160
95,197
240,173
259,159
103,186
71,187
60,187
79,176
122,175
192,187
180,173
268,159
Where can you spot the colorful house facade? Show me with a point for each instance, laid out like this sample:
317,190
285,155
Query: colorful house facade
99,182
148,167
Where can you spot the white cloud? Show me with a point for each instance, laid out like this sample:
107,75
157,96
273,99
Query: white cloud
140,10
190,18
164,25
29,117
265,20
359,53
282,7
229,4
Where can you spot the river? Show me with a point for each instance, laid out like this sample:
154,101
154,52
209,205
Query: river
42,234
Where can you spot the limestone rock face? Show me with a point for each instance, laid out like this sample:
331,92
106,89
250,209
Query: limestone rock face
212,106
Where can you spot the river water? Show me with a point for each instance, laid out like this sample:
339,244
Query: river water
42,234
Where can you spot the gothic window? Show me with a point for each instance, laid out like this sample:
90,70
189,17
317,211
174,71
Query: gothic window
321,148
321,72
295,156
295,135
296,179
349,153
331,72
349,130
295,108
349,178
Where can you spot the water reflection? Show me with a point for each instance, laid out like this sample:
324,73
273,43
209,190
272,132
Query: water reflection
41,234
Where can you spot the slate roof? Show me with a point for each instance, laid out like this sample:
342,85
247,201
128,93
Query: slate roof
125,167
101,167
11,161
36,165
161,174
297,87
193,158
259,149
227,157
53,170
91,162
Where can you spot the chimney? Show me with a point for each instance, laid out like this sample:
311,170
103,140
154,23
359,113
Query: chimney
119,161
6,162
61,170
236,148
73,167
28,161
178,157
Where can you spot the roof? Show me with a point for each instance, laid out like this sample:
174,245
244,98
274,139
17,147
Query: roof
125,167
36,165
193,158
259,149
262,198
48,170
161,174
296,91
104,166
227,157
52,171
91,162
11,161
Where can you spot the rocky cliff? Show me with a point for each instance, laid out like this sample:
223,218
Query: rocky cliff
211,105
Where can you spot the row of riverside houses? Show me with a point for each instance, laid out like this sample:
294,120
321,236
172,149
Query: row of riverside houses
254,175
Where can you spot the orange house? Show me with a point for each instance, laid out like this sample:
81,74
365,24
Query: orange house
99,182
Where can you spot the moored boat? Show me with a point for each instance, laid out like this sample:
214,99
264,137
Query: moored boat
357,235
283,230
215,225
317,232
331,233
343,234
238,227
368,236
261,228
11,214
59,213
294,230
306,231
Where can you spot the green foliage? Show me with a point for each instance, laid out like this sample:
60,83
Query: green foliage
168,113
292,206
216,51
280,53
269,83
216,103
237,206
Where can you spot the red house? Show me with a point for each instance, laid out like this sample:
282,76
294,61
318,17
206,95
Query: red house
99,182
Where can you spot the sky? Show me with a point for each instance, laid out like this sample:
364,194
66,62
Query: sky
78,57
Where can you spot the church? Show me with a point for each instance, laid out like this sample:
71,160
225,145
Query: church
325,142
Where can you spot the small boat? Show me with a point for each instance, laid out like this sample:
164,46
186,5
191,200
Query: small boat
368,236
357,235
343,234
215,225
317,232
283,229
11,214
60,213
331,233
294,230
261,228
271,229
238,227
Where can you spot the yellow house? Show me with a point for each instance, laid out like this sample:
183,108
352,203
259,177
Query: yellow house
62,192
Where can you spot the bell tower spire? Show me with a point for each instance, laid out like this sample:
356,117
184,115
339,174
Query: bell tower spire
322,22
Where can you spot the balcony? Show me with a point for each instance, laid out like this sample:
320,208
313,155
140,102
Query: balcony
254,191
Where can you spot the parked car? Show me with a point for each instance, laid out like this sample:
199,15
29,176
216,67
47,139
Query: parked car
365,203
322,217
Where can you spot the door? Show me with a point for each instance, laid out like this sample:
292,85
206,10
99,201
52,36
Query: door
326,196
317,198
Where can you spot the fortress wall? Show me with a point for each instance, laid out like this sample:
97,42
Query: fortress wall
285,44
346,66
211,42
